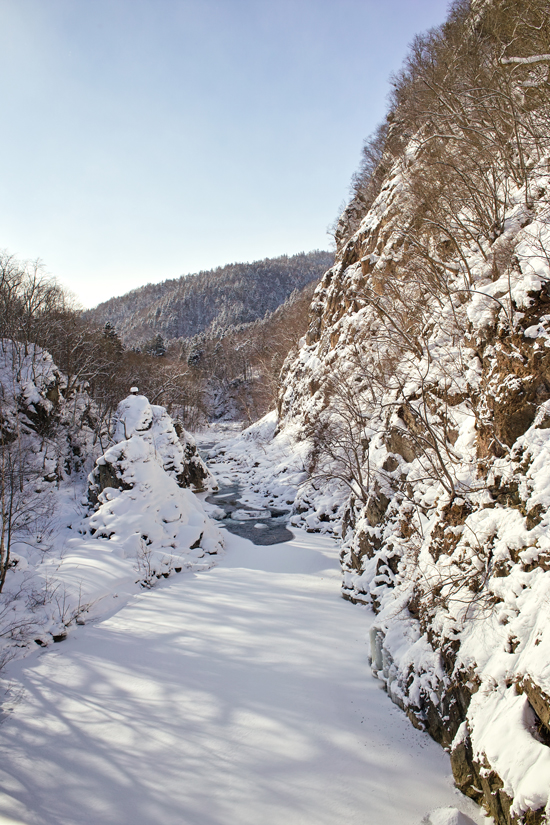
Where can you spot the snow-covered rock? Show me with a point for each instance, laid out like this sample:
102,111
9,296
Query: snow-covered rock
63,564
142,507
173,448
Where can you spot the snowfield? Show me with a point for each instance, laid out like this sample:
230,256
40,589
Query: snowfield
241,695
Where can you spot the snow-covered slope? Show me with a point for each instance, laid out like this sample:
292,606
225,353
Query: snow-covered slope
64,560
446,527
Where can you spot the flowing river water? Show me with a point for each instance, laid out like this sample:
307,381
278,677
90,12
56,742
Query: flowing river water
263,527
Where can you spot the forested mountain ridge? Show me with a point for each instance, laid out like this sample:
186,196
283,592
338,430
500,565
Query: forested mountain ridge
210,302
423,389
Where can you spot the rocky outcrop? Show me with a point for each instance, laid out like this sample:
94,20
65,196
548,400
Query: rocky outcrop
142,506
174,447
49,427
195,473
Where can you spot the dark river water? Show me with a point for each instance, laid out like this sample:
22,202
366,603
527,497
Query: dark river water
265,526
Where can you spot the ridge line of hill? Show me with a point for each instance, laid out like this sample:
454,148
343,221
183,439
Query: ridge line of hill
210,301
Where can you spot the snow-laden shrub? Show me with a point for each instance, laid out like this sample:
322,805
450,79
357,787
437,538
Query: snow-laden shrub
45,441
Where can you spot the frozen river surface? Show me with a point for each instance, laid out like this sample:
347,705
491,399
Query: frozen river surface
237,696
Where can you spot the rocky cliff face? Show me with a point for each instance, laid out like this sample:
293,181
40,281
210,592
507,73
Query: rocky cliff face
423,387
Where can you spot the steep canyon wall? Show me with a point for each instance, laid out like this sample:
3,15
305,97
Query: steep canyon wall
423,387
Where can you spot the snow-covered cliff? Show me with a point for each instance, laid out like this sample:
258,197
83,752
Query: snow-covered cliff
423,392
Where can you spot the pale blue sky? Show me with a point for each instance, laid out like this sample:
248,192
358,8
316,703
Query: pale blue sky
146,139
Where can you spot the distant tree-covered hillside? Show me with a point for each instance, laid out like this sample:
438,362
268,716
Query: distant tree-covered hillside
210,301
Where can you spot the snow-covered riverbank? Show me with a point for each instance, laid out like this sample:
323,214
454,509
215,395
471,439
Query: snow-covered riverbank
226,697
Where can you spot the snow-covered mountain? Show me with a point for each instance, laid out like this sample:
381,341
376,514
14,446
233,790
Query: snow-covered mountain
210,302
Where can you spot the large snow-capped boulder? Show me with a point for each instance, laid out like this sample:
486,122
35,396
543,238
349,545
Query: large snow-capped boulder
141,504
